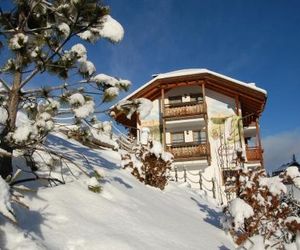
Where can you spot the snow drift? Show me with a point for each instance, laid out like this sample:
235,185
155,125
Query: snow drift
125,215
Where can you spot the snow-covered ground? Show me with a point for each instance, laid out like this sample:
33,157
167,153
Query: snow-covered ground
125,215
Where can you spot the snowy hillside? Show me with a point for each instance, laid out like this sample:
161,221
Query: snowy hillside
125,215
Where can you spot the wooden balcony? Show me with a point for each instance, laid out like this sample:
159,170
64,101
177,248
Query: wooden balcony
254,154
189,151
249,121
184,109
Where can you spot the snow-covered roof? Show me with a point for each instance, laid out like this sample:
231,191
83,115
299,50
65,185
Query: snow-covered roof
195,71
283,167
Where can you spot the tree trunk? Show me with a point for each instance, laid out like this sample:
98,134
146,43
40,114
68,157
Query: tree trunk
6,167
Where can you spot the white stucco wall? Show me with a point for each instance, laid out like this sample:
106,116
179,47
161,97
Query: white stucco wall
218,105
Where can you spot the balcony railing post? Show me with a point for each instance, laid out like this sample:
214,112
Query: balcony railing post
213,187
184,174
200,180
176,175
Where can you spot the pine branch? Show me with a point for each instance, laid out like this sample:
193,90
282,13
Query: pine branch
62,156
7,20
4,153
37,70
29,14
34,179
5,84
12,31
35,92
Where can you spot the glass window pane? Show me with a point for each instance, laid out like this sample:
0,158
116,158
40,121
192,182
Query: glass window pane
196,135
177,137
199,136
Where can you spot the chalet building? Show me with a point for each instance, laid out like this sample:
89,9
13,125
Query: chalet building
208,121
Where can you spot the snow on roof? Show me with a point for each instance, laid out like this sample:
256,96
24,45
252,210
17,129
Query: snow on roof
283,167
186,72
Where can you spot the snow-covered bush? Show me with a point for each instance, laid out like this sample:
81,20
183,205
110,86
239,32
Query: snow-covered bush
149,163
262,208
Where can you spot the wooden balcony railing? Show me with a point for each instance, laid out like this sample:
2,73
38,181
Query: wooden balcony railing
184,109
192,150
249,120
254,153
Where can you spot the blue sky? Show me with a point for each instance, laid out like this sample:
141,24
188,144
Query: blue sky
250,40
253,41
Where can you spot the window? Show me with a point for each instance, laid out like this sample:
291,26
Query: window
196,97
177,137
199,136
250,142
175,100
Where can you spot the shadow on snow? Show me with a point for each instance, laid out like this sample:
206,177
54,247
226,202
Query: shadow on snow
79,153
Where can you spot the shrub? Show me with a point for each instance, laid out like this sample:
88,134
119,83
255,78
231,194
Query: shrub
149,164
263,207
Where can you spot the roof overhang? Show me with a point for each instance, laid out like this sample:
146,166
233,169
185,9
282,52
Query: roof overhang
251,98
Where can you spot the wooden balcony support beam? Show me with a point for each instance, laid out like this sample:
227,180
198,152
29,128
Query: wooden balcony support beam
259,140
202,82
237,105
163,118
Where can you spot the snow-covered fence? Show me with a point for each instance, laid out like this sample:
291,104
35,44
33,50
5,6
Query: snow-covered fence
204,183
126,143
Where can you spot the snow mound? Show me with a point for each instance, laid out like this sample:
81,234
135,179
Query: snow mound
240,211
5,206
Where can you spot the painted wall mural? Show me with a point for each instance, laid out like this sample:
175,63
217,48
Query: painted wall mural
226,138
